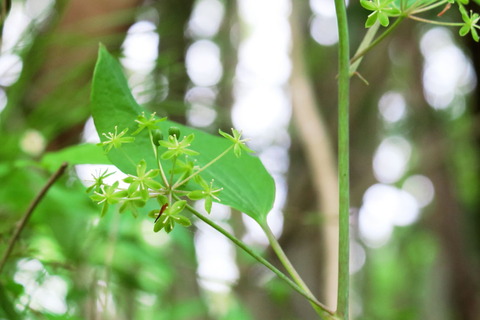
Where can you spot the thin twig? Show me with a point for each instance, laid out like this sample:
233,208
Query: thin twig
21,225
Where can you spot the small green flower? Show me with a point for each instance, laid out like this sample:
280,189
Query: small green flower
171,216
185,168
147,123
177,148
134,201
470,23
144,179
382,10
208,194
98,181
108,195
239,144
115,140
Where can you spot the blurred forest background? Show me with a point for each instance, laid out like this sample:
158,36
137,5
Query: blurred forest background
268,68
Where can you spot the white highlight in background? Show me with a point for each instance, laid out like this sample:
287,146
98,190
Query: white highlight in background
391,159
140,47
201,113
206,18
10,68
392,106
447,71
215,253
324,30
261,112
385,207
49,295
421,188
203,63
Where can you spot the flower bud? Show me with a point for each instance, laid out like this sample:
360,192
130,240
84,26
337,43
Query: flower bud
174,131
157,136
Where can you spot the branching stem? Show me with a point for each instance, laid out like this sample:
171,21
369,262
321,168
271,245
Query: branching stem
321,309
178,184
157,156
375,42
438,23
430,7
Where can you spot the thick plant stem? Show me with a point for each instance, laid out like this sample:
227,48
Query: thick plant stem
321,310
21,225
260,259
343,159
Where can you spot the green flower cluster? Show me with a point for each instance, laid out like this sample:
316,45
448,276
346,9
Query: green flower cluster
383,10
171,189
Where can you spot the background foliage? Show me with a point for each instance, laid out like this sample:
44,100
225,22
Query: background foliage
69,264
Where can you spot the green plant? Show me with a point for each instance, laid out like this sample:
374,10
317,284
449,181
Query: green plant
384,10
169,164
381,13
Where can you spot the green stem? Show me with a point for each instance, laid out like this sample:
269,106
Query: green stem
366,41
437,23
179,179
159,163
343,159
430,7
178,184
321,310
173,169
259,258
411,7
374,43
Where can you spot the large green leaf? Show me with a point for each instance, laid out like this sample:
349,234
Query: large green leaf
247,185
